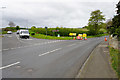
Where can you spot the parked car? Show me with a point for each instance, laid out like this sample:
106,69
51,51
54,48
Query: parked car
24,34
9,32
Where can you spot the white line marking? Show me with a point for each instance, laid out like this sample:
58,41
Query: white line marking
50,52
18,47
106,51
13,48
55,50
71,45
9,65
6,49
9,36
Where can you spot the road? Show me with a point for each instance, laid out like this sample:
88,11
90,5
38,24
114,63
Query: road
39,58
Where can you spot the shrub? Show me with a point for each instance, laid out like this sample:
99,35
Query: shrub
32,33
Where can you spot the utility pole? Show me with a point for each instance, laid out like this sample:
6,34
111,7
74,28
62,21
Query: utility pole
46,30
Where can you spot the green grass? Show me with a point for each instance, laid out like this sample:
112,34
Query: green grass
4,32
100,35
104,30
41,36
114,53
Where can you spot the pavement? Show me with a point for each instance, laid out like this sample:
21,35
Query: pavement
98,64
39,58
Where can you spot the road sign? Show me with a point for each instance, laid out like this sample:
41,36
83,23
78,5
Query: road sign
58,35
55,30
84,35
72,34
46,28
80,35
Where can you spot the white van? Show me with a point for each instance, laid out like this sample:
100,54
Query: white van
24,34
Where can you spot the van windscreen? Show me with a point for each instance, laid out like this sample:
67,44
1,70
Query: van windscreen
25,32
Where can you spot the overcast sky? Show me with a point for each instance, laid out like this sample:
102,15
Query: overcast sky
52,13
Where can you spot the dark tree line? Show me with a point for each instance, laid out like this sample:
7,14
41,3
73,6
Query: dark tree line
115,27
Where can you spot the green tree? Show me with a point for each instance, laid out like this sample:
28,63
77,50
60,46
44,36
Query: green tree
33,28
17,27
95,22
115,28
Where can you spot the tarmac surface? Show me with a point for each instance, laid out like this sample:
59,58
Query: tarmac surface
98,65
39,58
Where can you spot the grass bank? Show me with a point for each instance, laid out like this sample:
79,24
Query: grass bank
100,35
4,32
42,36
115,56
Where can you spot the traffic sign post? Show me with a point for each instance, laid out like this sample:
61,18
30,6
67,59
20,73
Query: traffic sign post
46,30
72,34
58,35
80,35
55,31
85,36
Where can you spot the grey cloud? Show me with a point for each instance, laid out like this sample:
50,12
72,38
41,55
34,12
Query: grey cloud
73,13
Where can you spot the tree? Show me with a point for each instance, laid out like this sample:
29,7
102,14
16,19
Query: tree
33,28
95,22
17,27
11,24
108,25
118,6
115,28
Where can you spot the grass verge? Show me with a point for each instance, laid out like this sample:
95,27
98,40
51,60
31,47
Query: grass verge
41,36
115,56
4,32
100,35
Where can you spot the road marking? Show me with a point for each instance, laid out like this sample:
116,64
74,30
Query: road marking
13,48
27,39
50,52
9,65
106,51
71,45
6,49
9,36
55,50
18,47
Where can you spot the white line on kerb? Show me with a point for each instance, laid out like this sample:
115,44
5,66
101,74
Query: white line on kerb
9,65
50,52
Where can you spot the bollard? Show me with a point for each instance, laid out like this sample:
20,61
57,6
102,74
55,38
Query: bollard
74,38
85,38
105,39
81,38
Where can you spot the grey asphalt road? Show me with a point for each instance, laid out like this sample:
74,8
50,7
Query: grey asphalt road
38,58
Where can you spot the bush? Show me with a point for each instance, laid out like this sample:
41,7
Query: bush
33,33
62,31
